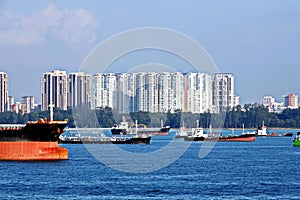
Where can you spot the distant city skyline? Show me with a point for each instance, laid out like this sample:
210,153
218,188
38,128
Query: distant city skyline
261,100
140,91
137,91
257,41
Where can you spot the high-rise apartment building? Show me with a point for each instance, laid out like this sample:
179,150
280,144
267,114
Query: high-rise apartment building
27,103
126,88
153,92
268,101
177,87
291,101
152,89
198,93
141,92
166,92
54,90
223,92
236,101
79,90
3,92
104,88
11,102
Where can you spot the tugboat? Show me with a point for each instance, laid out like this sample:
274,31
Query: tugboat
197,135
37,140
123,129
262,131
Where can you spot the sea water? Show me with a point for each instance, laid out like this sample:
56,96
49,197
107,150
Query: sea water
265,169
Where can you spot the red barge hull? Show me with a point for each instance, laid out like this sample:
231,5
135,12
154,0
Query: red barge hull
32,151
237,139
37,140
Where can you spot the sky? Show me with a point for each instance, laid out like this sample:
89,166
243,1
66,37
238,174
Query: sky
256,40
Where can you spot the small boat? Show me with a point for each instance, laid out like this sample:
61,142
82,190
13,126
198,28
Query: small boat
262,131
296,140
197,134
289,134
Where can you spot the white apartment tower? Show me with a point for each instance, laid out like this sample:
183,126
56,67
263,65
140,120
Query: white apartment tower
205,88
141,93
104,89
165,92
11,102
54,90
3,92
152,88
268,101
177,87
126,88
27,103
223,92
79,90
197,93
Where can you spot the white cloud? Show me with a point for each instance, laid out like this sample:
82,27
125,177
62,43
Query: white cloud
46,25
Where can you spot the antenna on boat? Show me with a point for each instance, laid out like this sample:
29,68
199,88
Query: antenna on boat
51,111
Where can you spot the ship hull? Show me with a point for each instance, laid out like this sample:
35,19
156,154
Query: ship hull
133,140
242,138
153,131
191,138
32,151
237,139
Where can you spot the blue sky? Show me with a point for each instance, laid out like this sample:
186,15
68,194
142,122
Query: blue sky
256,40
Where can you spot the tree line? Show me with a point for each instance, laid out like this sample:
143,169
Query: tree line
250,115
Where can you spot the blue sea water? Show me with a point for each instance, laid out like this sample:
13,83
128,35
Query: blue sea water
265,169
